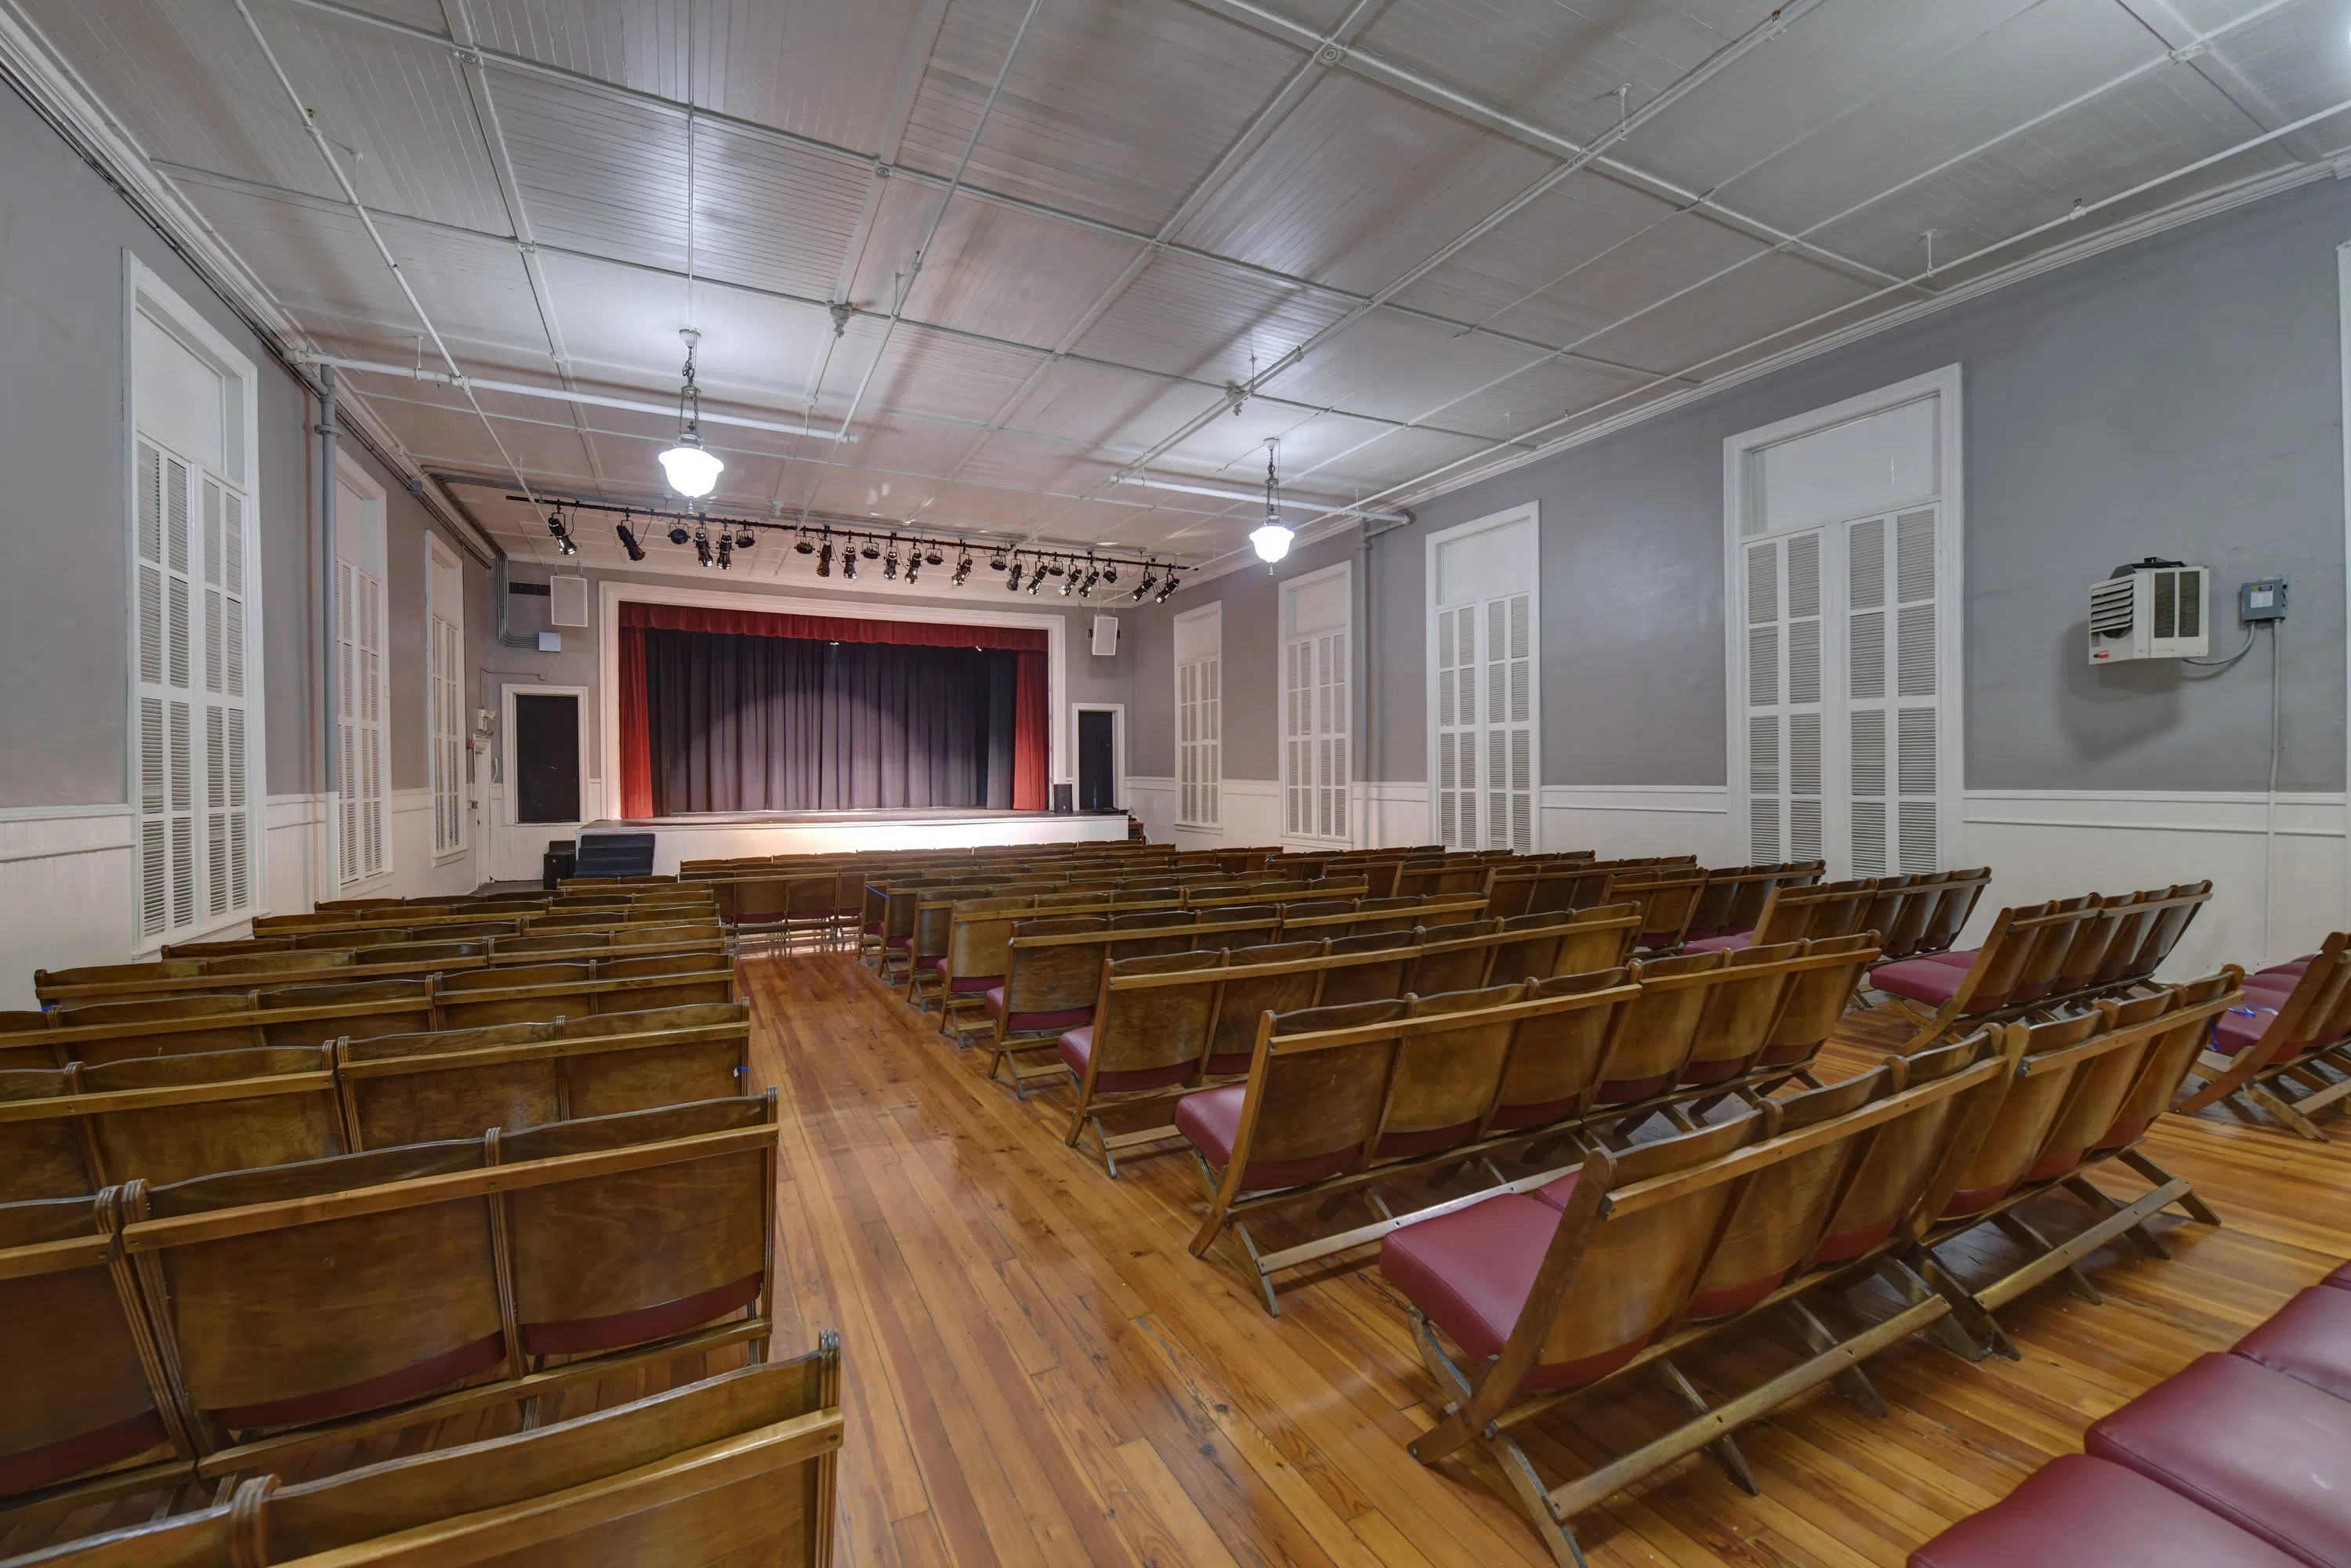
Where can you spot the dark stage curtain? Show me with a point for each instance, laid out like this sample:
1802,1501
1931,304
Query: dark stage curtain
742,722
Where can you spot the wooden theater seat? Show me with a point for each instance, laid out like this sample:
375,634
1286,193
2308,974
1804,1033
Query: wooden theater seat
1525,1300
2272,1054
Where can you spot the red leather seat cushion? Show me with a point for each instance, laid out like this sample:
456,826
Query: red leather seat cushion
1470,1271
2340,1279
1928,980
1532,1113
576,1336
1227,1065
1716,1070
2268,1453
970,984
2242,1025
1619,1091
2309,1338
2087,1513
30,1467
1077,1047
2293,966
1413,1143
1212,1121
993,999
1723,942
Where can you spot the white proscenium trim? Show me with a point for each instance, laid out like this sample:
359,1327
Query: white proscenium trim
611,593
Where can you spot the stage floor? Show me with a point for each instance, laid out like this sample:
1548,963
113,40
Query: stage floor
732,834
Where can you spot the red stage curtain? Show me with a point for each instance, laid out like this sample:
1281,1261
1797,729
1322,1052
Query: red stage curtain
1028,735
1031,724
829,628
636,754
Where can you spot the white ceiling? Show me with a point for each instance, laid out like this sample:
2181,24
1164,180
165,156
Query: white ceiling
1428,197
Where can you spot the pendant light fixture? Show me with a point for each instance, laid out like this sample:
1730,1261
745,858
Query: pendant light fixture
692,471
1271,539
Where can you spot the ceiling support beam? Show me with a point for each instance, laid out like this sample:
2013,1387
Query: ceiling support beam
2167,27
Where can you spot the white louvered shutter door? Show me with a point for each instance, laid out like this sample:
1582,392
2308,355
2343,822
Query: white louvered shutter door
347,814
169,671
229,832
1187,712
1785,714
1457,728
1895,713
1767,801
1331,745
1299,782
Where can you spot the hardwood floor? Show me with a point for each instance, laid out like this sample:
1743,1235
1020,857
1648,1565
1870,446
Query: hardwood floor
1036,1372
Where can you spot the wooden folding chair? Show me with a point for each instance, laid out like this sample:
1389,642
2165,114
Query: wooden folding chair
1370,968
523,993
2272,1052
319,1015
1151,1028
1052,968
1525,1300
87,1417
980,938
666,980
2076,1099
170,1118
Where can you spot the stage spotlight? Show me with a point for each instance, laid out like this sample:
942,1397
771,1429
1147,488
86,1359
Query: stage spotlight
1094,576
1110,576
914,565
1166,588
725,551
1012,583
1036,581
555,522
888,563
804,548
996,562
702,546
1144,588
849,565
872,550
563,545
745,540
678,535
629,541
961,570
1069,581
932,556
1054,566
823,559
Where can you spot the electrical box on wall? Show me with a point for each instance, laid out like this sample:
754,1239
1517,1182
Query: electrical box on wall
2264,598
2155,610
567,600
1105,645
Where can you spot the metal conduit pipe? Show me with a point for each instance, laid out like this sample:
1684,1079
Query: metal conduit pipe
558,394
1320,508
327,630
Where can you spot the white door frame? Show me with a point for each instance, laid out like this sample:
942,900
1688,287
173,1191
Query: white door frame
1944,385
1117,749
511,832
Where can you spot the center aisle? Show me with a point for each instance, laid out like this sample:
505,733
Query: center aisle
1037,1373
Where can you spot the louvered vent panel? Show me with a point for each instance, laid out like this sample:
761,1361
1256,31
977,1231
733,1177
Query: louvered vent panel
1867,645
1803,662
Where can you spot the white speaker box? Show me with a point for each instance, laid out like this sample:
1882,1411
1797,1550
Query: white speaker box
567,601
1105,636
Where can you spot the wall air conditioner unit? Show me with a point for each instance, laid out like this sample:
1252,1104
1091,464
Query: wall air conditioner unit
567,600
2155,610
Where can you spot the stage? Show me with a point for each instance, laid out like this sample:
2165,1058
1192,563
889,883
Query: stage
726,835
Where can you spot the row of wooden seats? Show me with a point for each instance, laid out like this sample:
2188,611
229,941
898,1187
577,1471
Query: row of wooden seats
311,1015
1054,967
2286,1054
162,1335
1571,1282
828,900
911,926
1915,914
970,953
1337,1099
2064,953
368,930
111,1031
391,960
80,1128
735,1468
364,913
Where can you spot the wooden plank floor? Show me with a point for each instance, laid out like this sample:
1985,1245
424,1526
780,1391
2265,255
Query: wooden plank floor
1036,1372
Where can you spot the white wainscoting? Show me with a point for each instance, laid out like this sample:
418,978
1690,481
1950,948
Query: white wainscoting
66,892
298,853
413,873
301,857
1626,820
2053,843
1251,810
1398,813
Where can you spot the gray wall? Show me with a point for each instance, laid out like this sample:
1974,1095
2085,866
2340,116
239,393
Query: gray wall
63,635
2176,397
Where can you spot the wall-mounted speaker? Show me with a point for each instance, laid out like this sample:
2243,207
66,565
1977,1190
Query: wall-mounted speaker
1105,636
567,601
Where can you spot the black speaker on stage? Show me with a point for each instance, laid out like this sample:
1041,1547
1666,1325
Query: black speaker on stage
1064,798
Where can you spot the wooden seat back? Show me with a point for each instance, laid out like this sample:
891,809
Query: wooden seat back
533,993
980,935
1668,896
81,1376
617,1257
43,1154
315,1015
1372,967
1269,977
1654,1034
666,980
1318,1085
1816,910
1741,1006
1556,1055
168,1118
1445,1080
2159,1034
736,1469
1046,978
1143,933
1455,958
1820,986
1734,896
1154,1016
1953,901
109,1032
